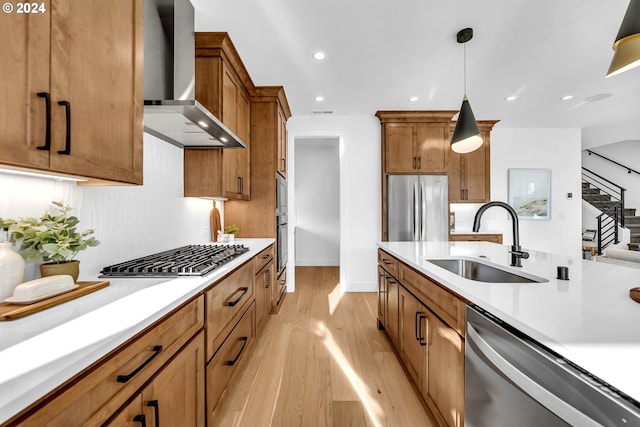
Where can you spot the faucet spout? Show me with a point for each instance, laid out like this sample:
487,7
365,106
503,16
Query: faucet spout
516,253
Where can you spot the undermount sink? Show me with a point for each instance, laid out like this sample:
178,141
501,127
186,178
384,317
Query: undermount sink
480,272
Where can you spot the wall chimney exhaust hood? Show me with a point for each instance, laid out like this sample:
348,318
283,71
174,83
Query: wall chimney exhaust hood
171,112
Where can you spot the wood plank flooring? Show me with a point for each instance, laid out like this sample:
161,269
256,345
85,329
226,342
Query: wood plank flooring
323,362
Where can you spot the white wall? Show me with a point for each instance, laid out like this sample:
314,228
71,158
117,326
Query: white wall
626,153
317,201
130,221
555,149
360,191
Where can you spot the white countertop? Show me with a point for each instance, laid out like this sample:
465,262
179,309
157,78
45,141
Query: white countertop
589,319
479,233
41,351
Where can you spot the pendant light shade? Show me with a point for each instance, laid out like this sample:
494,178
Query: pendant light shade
466,136
627,45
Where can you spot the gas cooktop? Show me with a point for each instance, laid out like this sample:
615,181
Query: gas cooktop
190,260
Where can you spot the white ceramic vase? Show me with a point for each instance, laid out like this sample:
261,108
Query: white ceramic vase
11,270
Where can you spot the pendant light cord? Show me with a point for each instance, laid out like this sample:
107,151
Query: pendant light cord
464,47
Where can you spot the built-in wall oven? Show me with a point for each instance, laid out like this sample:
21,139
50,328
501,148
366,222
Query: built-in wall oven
512,380
281,222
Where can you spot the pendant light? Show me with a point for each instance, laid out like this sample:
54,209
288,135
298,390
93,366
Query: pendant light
466,136
627,45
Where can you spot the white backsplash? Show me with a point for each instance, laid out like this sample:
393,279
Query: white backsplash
130,221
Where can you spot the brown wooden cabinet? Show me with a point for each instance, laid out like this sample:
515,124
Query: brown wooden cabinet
445,365
412,344
94,396
430,338
224,87
415,141
72,77
476,237
282,142
224,365
388,288
175,396
470,174
264,284
225,301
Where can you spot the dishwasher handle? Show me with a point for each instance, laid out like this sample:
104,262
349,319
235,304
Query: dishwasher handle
566,412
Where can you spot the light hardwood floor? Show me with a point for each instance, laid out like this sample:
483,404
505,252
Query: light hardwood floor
323,362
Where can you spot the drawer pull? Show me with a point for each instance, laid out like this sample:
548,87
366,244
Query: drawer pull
124,378
235,359
266,256
156,410
140,419
268,284
47,132
416,325
386,261
237,300
423,342
67,143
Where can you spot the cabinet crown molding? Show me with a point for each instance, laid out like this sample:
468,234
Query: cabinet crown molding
416,116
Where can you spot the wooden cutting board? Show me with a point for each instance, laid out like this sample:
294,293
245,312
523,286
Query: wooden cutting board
634,293
215,223
10,311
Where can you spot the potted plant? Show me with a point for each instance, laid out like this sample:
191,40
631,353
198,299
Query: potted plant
231,231
51,239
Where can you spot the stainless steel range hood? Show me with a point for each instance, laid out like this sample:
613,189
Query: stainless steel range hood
171,112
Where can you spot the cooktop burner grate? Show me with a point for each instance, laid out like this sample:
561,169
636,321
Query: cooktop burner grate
190,260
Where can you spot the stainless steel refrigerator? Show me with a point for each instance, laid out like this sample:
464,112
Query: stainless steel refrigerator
417,208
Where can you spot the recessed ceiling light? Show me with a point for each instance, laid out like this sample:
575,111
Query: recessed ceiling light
319,56
566,97
319,98
413,99
511,98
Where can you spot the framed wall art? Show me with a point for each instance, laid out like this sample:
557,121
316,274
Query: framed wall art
530,193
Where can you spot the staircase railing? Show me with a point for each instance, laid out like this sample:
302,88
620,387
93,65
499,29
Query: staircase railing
613,190
608,226
629,170
611,217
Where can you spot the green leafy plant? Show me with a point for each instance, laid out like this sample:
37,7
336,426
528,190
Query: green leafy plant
52,237
231,229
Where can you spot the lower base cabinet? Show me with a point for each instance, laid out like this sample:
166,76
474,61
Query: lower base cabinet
430,348
175,397
224,364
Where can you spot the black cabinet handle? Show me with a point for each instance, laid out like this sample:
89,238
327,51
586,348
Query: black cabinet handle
235,359
237,300
386,262
124,378
156,410
140,419
266,256
419,162
67,143
416,324
422,340
268,284
239,185
47,134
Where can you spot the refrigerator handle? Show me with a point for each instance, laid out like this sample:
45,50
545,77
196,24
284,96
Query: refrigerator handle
423,211
416,211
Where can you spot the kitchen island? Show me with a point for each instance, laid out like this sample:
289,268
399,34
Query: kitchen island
588,319
42,351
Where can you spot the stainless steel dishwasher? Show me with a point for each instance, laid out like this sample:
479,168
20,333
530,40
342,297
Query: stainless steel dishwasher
512,380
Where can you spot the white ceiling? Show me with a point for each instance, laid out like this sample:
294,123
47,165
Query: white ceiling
381,52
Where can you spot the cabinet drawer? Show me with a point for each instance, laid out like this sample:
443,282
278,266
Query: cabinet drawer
225,301
262,259
232,352
94,396
448,306
388,262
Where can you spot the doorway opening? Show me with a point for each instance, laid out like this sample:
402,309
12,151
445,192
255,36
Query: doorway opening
317,201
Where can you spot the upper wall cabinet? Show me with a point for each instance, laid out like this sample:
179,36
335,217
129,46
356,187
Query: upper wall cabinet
223,86
470,174
415,141
72,89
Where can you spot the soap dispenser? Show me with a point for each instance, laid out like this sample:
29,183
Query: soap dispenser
11,267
